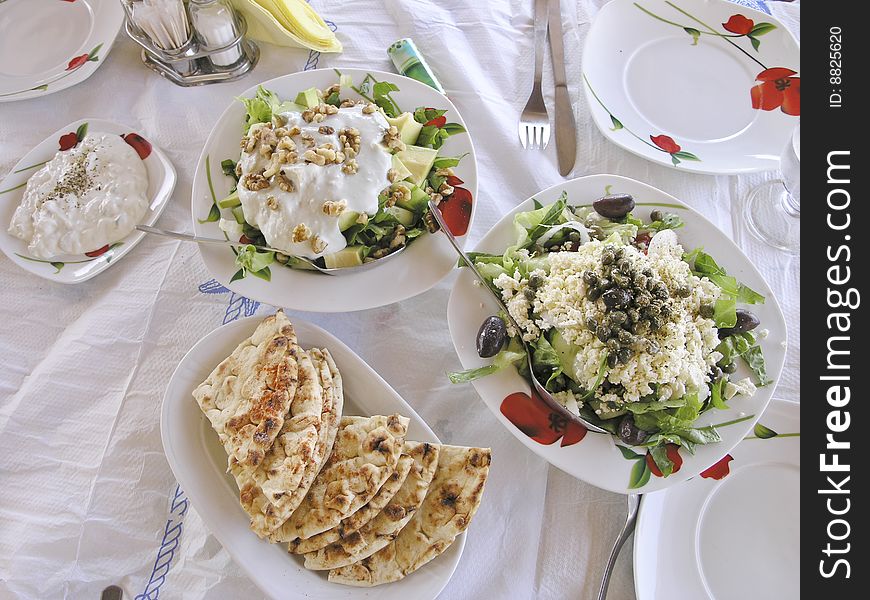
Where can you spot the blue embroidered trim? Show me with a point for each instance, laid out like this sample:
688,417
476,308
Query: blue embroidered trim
171,535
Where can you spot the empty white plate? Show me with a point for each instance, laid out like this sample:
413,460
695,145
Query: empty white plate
707,86
50,45
199,463
733,532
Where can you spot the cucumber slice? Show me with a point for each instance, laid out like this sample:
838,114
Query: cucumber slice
239,215
352,256
347,219
230,201
404,216
418,200
308,98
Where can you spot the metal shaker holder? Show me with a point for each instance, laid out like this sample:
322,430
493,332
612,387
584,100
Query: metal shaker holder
189,65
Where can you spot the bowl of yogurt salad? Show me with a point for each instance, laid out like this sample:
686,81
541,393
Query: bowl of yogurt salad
630,324
76,199
334,168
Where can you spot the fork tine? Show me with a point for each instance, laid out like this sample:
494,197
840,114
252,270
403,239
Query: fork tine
523,133
546,135
537,137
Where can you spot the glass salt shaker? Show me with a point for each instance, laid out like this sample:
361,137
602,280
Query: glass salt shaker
216,25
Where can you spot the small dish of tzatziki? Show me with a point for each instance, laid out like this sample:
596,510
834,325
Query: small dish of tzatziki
70,207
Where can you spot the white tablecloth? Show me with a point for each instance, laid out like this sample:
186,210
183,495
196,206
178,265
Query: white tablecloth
86,496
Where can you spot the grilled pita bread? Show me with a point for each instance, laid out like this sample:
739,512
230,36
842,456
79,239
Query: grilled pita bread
450,504
383,528
333,402
248,395
365,454
266,491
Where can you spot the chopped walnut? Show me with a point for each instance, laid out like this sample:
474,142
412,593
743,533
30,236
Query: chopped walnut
339,157
307,139
255,182
272,202
436,198
280,132
398,194
348,103
369,108
308,115
284,184
317,244
393,139
311,156
350,166
286,143
326,153
448,172
318,118
334,208
334,88
301,233
294,131
430,222
266,151
326,130
238,169
398,238
445,189
392,175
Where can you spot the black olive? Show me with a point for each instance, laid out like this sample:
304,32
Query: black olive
616,298
746,321
491,337
729,368
656,215
536,281
630,433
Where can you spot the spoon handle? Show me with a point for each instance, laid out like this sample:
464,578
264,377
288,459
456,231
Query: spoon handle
186,237
627,529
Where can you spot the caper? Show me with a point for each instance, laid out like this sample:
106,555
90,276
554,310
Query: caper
642,299
603,334
665,310
608,256
660,291
650,284
612,359
574,236
559,382
594,294
535,280
596,232
592,325
715,373
729,368
630,433
684,291
640,280
623,355
656,215
746,321
618,318
652,346
654,323
633,314
614,206
625,338
648,272
605,284
590,278
612,345
491,337
619,253
651,311
529,293
707,311
616,297
538,249
621,280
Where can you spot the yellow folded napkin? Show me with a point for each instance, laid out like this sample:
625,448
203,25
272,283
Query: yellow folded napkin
287,23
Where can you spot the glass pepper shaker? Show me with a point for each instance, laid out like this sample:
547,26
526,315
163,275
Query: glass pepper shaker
216,26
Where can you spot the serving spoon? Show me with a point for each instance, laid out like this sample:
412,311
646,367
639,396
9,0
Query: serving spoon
186,237
545,395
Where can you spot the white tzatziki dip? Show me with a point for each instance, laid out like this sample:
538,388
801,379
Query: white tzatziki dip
83,198
294,197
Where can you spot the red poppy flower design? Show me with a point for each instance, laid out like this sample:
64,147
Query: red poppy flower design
777,88
666,143
739,24
98,251
532,416
720,469
453,180
438,121
673,453
77,62
68,140
456,210
139,144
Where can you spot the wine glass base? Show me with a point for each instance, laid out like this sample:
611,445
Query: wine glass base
769,219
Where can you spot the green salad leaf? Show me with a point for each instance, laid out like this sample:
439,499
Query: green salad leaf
745,346
255,262
513,354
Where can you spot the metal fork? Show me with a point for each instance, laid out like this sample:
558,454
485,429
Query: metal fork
534,128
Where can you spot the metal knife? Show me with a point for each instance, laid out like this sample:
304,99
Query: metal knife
566,129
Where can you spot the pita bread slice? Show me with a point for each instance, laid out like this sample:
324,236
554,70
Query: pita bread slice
450,504
266,491
383,528
333,402
338,400
365,454
247,396
362,516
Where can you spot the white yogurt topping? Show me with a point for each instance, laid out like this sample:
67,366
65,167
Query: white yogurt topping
314,184
83,198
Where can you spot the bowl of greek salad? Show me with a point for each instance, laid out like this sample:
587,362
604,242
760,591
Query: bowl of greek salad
332,170
641,318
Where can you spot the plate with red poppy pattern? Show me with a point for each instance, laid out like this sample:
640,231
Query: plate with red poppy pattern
601,459
81,34
733,532
78,268
707,87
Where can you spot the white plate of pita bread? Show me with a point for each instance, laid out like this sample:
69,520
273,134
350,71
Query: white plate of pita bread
311,501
